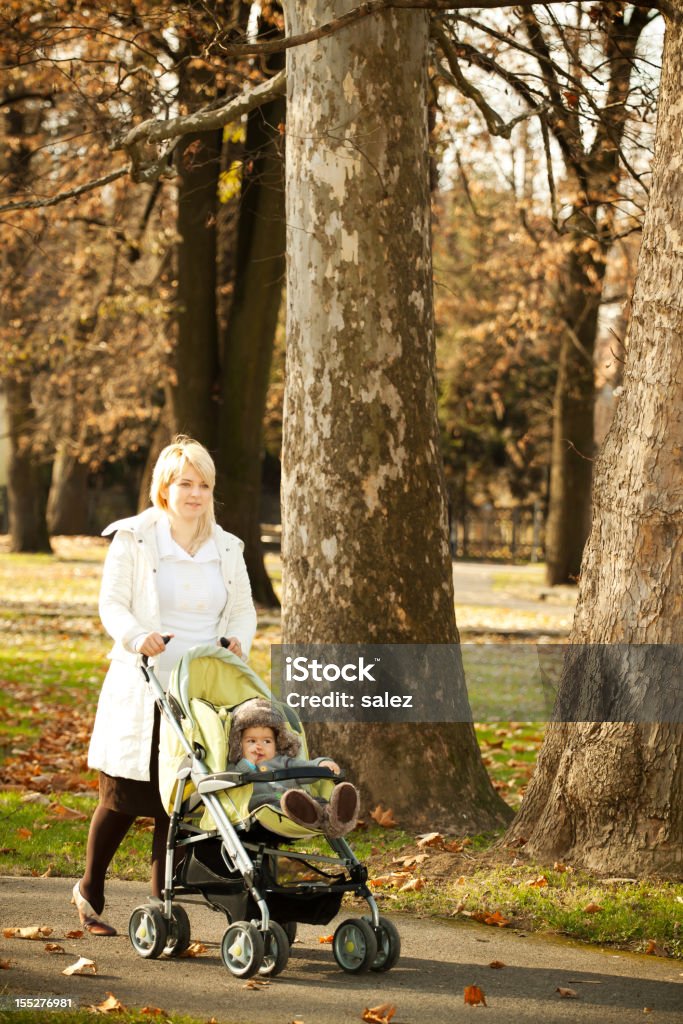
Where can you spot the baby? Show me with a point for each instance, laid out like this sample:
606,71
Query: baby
260,741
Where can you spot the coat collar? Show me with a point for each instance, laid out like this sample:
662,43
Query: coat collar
135,524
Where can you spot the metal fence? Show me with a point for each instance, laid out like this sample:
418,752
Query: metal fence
504,534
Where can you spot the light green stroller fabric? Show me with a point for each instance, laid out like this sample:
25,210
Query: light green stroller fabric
207,683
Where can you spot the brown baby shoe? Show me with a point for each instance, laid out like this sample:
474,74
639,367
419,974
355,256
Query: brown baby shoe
298,805
342,811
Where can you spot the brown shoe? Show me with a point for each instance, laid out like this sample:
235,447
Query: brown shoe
300,806
342,811
90,921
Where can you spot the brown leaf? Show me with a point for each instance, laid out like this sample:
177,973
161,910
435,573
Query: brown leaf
559,866
24,833
60,811
385,819
538,883
194,949
153,1011
592,908
110,1005
5,965
54,947
82,966
256,983
381,1014
474,996
35,932
413,885
430,839
325,938
567,993
497,965
75,934
654,949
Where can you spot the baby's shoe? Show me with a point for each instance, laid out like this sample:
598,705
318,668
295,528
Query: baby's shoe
298,805
341,813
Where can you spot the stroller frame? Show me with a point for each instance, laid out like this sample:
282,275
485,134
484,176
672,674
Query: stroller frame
162,926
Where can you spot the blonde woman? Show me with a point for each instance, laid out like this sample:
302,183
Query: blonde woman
169,571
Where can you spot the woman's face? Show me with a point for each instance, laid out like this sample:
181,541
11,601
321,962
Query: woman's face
188,495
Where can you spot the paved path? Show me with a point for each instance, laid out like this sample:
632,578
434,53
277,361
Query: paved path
438,960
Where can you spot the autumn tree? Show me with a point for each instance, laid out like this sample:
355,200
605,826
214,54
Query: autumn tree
608,789
578,74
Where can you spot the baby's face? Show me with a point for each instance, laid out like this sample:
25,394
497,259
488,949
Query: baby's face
258,744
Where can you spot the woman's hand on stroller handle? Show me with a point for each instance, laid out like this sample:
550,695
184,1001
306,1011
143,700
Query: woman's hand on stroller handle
153,644
332,765
231,643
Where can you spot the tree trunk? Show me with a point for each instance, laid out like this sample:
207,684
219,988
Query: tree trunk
609,794
571,470
195,391
28,481
249,339
67,505
365,544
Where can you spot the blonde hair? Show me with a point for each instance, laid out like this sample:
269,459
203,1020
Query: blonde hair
169,467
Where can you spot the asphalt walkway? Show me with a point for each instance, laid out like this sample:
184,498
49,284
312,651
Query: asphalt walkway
439,958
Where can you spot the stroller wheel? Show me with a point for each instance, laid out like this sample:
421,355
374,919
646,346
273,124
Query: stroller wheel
242,949
148,931
276,946
178,933
388,945
354,946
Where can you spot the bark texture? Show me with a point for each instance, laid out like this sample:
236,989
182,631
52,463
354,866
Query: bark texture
249,339
28,480
610,795
365,547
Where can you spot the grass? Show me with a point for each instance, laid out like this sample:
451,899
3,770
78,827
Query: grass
85,1016
53,659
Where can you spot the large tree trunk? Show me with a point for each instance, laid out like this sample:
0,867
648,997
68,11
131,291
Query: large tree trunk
249,338
571,471
195,391
67,506
609,794
28,480
365,545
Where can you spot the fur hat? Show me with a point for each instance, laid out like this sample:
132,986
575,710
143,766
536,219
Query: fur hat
260,713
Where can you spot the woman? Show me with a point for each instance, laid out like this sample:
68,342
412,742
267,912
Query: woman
170,571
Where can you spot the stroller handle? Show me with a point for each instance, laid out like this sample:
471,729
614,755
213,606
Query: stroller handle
145,657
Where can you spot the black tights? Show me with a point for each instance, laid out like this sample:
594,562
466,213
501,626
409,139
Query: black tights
107,831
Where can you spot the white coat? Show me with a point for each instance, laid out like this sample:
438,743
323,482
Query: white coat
129,605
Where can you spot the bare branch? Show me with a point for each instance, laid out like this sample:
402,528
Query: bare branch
35,204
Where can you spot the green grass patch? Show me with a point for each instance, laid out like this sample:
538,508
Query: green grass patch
37,837
86,1016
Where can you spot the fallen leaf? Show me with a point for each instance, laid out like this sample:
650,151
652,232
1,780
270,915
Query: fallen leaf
82,966
194,949
413,885
110,1005
430,839
654,949
48,873
474,996
153,1011
325,938
559,866
75,934
35,932
24,833
567,993
497,965
592,908
54,947
461,881
256,983
383,818
496,919
381,1014
538,883
5,965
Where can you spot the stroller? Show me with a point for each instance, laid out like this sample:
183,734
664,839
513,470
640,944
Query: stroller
244,862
